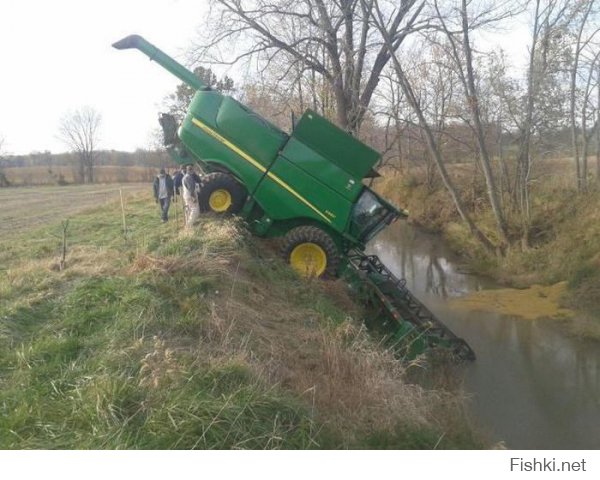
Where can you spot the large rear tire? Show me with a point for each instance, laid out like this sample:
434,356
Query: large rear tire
221,193
311,252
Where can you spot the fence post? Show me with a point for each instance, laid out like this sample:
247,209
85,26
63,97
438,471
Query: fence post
123,212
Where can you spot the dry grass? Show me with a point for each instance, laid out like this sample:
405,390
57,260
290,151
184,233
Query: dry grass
23,176
201,265
277,328
82,261
352,386
27,208
200,339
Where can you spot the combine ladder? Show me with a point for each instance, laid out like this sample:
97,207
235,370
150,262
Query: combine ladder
401,308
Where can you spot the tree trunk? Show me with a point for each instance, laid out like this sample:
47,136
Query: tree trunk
523,161
572,97
598,129
399,144
473,102
574,142
81,173
437,158
90,172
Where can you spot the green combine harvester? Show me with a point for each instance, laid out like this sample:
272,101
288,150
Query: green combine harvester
306,187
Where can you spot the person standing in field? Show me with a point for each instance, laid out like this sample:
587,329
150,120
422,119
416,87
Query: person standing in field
163,192
177,179
189,188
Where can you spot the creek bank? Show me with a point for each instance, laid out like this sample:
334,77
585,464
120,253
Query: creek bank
564,245
531,385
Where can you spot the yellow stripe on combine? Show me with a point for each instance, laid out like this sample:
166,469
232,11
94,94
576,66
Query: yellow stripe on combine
228,144
296,194
251,160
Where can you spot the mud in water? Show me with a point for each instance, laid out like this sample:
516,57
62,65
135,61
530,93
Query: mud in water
537,301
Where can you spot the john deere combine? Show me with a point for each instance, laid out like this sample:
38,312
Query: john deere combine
306,186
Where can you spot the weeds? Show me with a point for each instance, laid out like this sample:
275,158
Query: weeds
166,340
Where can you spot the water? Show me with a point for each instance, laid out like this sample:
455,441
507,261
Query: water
531,385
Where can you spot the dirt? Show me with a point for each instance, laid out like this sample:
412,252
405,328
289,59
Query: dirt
30,207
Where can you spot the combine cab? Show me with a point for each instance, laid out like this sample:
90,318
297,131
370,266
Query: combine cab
305,186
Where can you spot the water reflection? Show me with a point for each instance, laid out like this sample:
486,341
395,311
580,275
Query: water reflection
532,386
426,263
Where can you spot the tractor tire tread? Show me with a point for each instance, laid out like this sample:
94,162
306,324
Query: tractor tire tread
311,234
218,180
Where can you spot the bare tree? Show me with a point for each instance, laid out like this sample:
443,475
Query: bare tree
539,105
3,180
402,121
502,101
330,39
432,145
524,160
585,9
79,130
390,108
588,111
433,86
598,123
458,22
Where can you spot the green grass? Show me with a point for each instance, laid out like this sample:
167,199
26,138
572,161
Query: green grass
162,339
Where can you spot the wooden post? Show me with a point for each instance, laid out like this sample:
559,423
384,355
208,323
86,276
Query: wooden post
123,212
176,213
183,210
65,226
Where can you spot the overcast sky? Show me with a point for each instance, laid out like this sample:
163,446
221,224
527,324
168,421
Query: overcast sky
56,55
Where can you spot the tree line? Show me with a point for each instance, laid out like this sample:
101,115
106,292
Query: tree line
49,160
423,74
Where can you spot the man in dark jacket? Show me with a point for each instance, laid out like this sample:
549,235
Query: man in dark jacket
177,178
163,192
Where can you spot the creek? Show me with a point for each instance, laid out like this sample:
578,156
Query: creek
532,386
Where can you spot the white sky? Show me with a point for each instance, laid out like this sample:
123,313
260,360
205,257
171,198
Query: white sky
56,55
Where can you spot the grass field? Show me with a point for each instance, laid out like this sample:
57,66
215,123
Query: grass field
27,208
39,175
163,338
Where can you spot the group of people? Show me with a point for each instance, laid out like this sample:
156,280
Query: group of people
185,183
